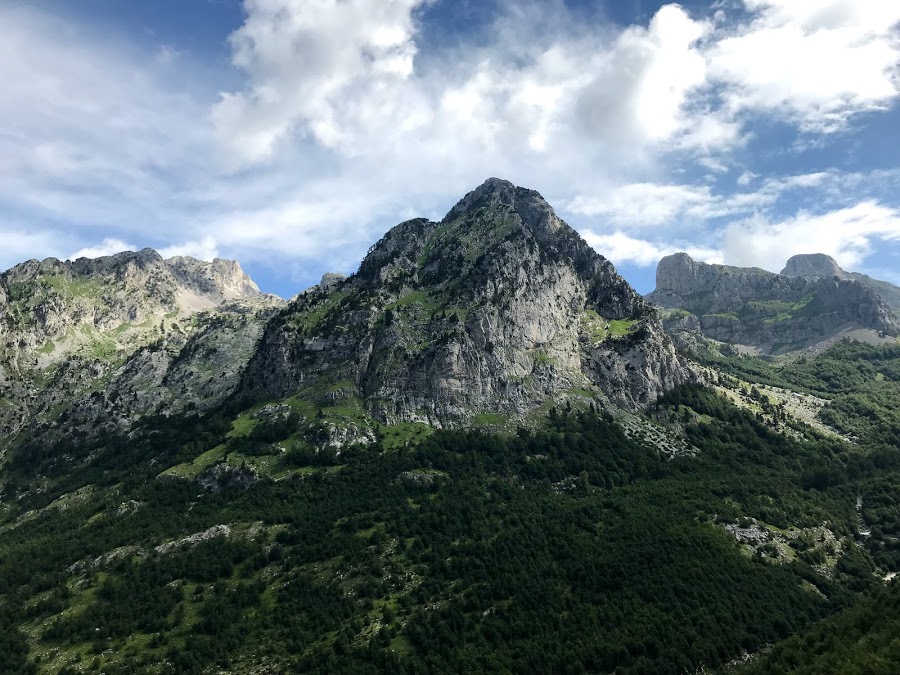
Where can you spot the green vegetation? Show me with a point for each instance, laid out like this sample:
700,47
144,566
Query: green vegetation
76,288
489,419
621,327
862,639
319,310
774,310
488,549
599,328
438,550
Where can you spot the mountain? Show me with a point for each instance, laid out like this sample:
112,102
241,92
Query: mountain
99,342
495,311
821,266
770,313
542,484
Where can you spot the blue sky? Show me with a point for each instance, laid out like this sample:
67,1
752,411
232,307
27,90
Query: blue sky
291,134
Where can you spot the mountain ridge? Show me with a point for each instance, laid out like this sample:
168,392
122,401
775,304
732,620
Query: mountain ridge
819,265
72,331
770,312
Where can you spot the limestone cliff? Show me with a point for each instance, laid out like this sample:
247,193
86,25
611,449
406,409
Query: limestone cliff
772,312
497,309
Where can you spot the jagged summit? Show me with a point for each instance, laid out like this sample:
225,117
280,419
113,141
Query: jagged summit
772,312
63,306
498,307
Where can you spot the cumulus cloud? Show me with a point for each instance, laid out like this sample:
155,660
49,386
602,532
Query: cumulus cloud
746,178
107,247
817,62
309,65
847,234
346,76
622,248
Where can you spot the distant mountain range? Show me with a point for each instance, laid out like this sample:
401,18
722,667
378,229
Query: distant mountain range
813,300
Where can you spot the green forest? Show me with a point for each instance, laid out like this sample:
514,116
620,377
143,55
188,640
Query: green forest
564,548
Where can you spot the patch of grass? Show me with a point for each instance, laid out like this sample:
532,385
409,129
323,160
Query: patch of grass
340,386
584,393
78,288
596,326
314,316
621,327
198,465
776,311
415,298
350,410
675,313
490,419
404,434
103,349
242,426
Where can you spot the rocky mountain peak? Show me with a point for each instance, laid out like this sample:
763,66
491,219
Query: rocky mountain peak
62,307
813,266
500,196
220,277
498,307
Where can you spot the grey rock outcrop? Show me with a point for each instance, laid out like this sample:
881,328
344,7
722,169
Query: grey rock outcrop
813,266
220,279
820,266
773,312
497,308
331,280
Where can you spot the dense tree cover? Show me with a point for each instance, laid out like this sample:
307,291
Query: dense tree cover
862,640
569,548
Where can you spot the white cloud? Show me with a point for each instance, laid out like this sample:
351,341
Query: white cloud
345,75
205,249
643,204
621,248
654,204
746,178
847,234
92,137
819,62
342,120
108,247
309,63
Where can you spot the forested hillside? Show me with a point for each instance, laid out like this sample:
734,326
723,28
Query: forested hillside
564,548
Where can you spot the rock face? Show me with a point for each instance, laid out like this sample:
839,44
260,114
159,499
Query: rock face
820,266
496,309
96,343
774,312
813,266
